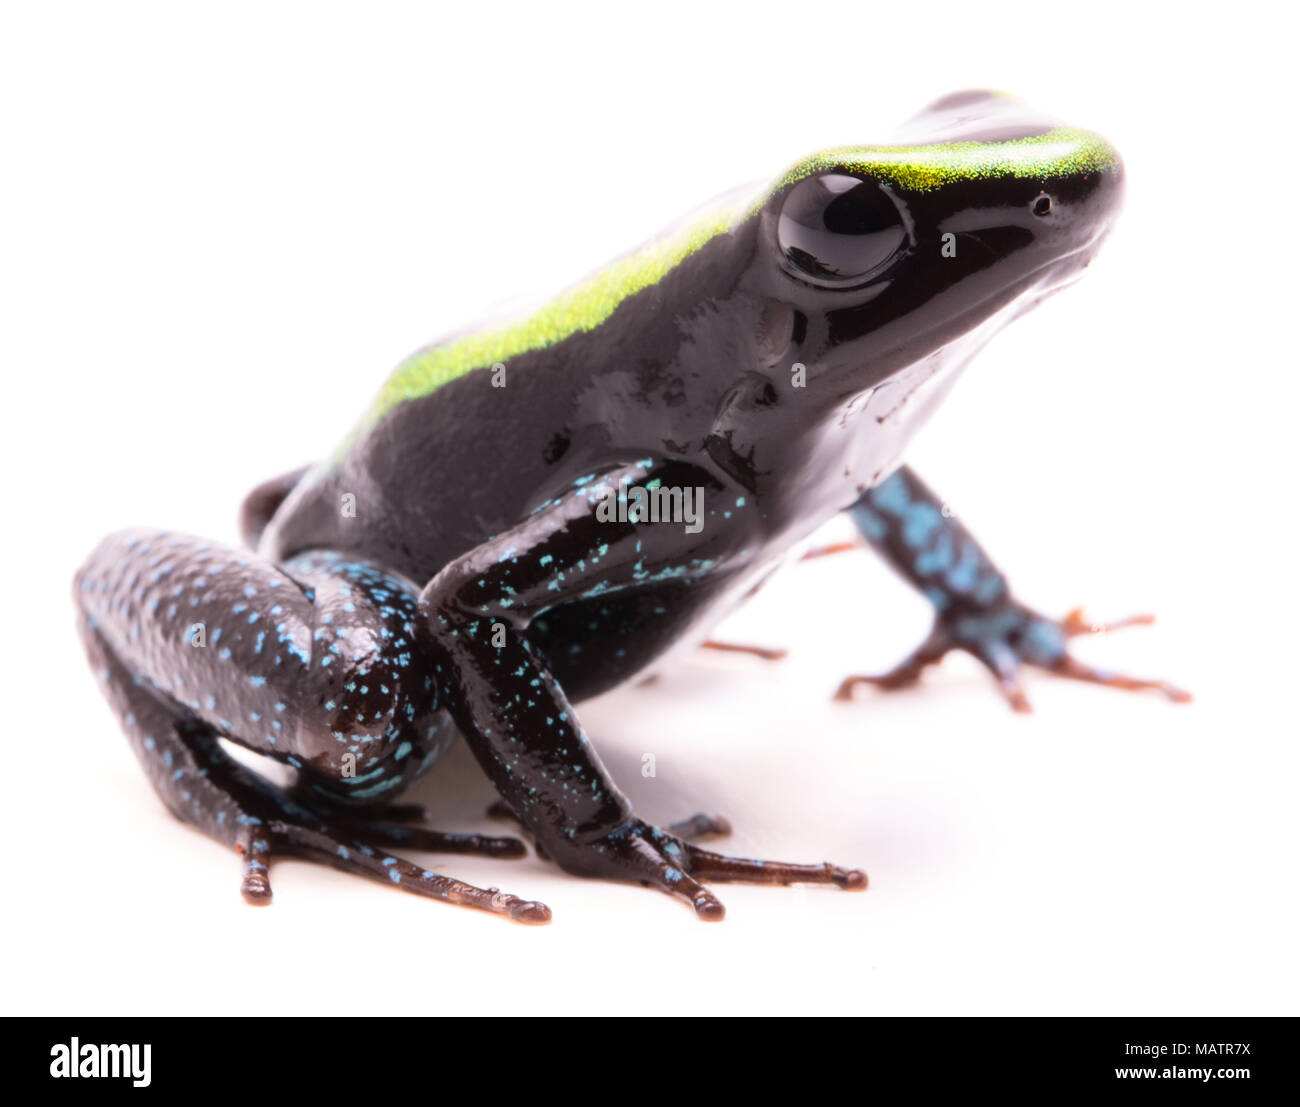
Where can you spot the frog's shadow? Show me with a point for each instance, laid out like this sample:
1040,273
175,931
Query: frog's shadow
456,793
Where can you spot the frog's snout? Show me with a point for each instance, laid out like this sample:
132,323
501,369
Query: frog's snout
1080,194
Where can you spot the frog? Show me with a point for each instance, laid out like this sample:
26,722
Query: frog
541,509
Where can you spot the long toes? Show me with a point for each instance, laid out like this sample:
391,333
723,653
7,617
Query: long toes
531,912
321,844
528,911
437,841
700,826
708,865
1076,623
907,672
1077,670
706,905
902,677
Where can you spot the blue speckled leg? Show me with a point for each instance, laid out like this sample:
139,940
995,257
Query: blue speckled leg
514,712
311,664
974,609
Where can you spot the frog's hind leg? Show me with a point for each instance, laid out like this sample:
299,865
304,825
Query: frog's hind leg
311,665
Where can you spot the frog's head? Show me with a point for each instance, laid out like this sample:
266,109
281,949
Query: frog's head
889,254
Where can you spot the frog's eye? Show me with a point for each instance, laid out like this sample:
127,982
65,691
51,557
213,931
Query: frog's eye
835,228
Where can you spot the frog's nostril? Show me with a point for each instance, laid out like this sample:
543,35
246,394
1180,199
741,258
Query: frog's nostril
1042,204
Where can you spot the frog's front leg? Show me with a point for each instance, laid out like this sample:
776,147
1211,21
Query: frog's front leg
516,717
974,608
314,664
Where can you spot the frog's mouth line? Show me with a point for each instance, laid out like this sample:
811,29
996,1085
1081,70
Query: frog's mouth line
1073,272
1035,287
1021,295
1043,281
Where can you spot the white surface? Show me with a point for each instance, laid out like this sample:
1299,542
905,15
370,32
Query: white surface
223,228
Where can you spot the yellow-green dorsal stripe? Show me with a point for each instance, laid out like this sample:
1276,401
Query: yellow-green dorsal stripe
589,303
1054,153
581,308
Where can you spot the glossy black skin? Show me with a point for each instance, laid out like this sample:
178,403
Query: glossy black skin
473,511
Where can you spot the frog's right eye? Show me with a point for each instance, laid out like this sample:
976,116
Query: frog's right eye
835,228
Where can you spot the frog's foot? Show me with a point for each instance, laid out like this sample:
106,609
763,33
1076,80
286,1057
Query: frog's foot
1005,639
255,850
268,822
262,821
141,656
389,824
435,841
636,851
203,785
326,844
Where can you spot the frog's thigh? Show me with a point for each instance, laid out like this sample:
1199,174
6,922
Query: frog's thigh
311,663
194,640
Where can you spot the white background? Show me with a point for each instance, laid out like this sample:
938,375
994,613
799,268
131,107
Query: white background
221,227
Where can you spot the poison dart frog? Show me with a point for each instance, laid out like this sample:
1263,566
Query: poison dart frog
532,513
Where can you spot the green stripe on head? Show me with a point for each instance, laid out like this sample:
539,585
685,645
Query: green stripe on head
1054,153
586,305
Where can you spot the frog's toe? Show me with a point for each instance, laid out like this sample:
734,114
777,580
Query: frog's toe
663,859
1041,642
708,865
1007,638
1076,623
1075,669
323,843
435,841
907,672
530,912
707,906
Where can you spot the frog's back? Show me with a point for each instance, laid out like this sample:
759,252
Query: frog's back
469,434
435,477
